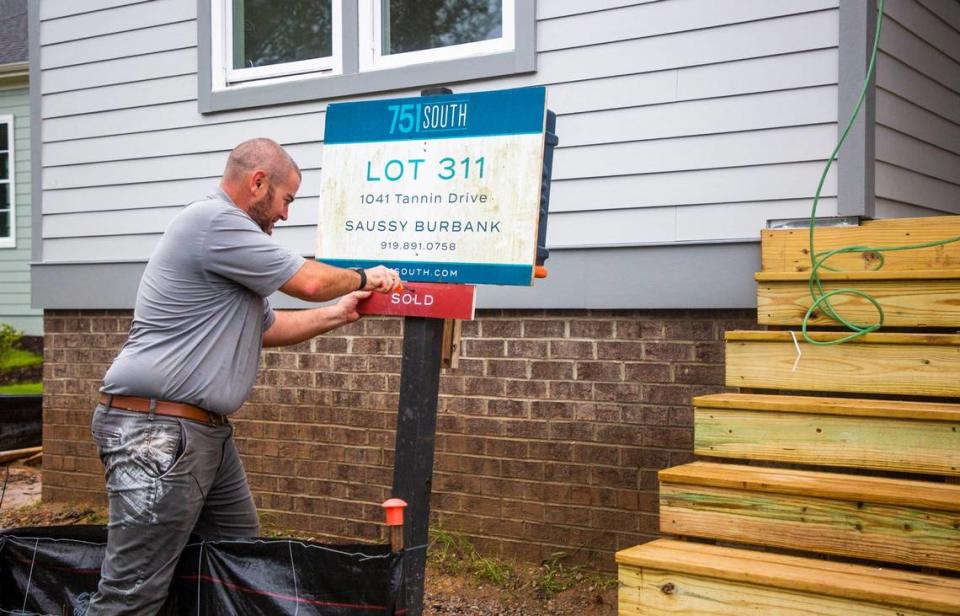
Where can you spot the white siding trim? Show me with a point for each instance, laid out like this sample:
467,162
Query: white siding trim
11,180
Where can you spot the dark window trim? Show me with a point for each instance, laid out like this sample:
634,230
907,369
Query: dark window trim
521,60
856,185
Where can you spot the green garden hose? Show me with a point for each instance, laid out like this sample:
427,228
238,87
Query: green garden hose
821,297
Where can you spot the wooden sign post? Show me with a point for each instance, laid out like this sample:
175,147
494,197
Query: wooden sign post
415,444
450,191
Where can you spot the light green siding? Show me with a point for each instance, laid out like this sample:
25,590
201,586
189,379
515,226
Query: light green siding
15,261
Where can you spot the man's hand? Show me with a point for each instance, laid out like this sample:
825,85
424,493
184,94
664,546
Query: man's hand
348,305
381,279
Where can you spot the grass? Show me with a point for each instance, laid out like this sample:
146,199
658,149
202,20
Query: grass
555,576
56,514
269,528
454,554
92,516
18,358
22,388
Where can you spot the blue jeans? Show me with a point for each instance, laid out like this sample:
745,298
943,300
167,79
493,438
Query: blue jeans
166,478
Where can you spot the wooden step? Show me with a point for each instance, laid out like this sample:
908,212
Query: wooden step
877,518
904,364
927,298
686,578
917,437
788,250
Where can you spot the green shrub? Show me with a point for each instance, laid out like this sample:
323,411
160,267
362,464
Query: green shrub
9,340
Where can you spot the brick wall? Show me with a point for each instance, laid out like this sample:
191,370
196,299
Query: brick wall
549,438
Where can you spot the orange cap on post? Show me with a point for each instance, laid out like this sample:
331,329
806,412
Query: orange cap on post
394,508
539,272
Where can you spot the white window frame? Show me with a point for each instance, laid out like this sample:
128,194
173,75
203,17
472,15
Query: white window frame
371,41
225,76
10,242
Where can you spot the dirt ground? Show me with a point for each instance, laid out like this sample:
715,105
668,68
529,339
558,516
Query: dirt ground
23,486
448,595
445,594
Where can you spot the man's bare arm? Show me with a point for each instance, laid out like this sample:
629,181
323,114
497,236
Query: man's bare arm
294,326
317,282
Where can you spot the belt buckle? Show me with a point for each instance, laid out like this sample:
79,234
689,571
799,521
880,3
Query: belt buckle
216,419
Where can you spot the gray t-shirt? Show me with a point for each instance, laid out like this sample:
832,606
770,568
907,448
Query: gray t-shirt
201,309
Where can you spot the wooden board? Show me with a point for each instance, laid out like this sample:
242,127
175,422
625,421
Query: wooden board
905,303
905,364
787,250
908,522
905,445
654,592
16,454
873,275
836,486
880,338
850,407
767,579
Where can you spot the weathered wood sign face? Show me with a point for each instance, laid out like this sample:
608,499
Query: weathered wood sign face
441,188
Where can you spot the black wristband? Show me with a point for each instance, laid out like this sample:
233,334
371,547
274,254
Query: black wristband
363,277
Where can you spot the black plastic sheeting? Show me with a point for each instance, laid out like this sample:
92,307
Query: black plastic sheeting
54,570
21,423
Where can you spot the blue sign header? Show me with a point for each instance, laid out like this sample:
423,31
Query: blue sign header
457,273
453,116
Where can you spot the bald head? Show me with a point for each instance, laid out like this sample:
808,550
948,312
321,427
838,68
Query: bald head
261,153
262,180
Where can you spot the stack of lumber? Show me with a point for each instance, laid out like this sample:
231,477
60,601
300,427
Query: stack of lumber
842,495
16,454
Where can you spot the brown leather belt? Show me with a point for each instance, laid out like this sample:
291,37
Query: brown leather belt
163,407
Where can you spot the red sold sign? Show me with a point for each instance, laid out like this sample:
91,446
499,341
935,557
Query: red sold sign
424,299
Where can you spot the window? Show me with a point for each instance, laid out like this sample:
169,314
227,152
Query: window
259,52
264,42
400,33
8,230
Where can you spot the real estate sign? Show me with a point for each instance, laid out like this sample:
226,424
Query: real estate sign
442,188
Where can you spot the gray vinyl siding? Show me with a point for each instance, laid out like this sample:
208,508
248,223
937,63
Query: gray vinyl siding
681,122
918,109
15,262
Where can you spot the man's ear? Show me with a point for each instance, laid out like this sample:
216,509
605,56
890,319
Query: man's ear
258,181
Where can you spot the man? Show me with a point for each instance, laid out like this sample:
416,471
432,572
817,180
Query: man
200,320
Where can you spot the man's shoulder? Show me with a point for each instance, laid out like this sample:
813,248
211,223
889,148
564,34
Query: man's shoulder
210,211
210,205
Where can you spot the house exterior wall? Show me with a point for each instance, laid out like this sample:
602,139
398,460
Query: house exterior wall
684,123
15,260
684,126
549,435
918,109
